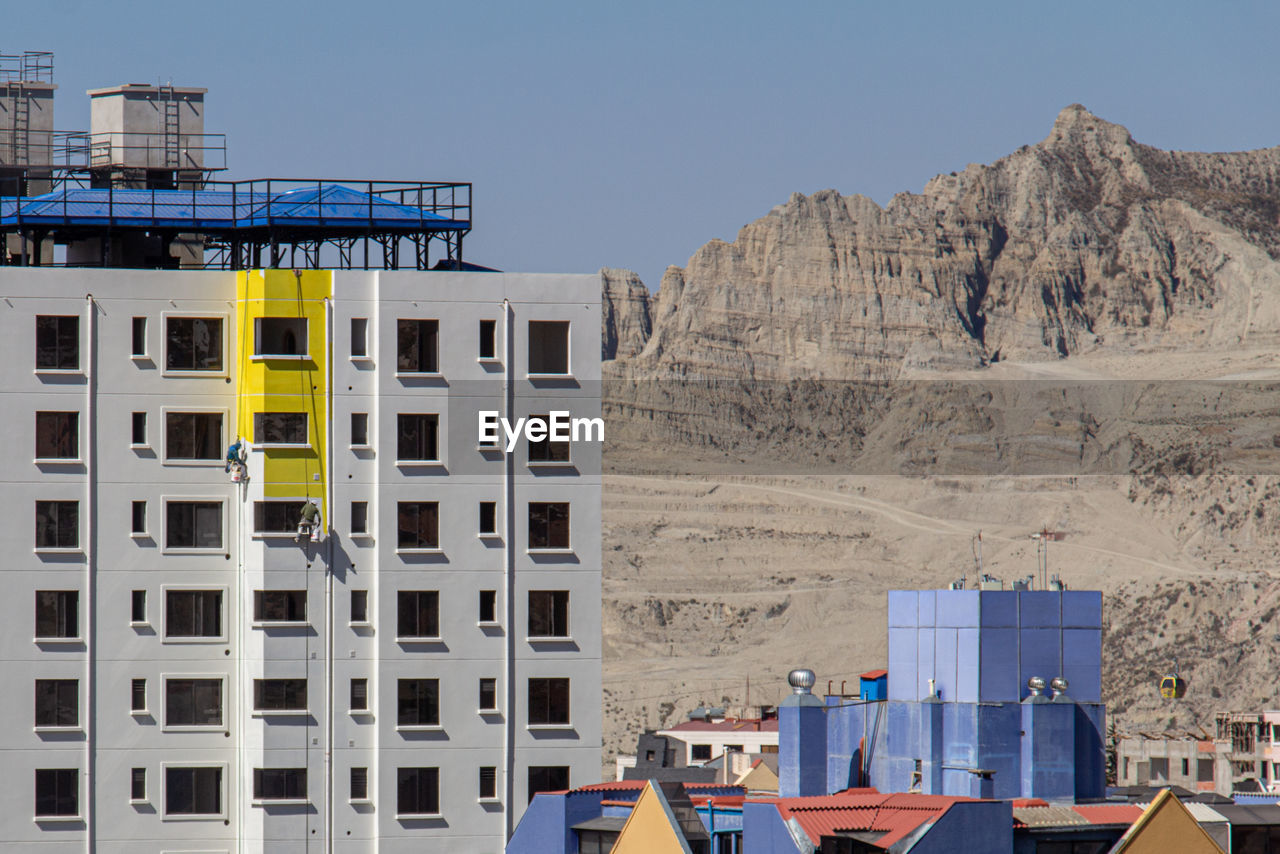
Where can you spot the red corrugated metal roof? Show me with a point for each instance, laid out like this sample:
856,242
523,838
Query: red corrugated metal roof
874,674
637,785
1109,813
1029,802
726,725
894,815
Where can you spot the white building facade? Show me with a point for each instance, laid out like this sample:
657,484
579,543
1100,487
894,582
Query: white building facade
182,672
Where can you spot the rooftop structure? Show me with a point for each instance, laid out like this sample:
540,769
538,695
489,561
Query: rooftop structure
139,190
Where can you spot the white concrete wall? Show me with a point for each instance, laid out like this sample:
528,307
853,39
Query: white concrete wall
111,563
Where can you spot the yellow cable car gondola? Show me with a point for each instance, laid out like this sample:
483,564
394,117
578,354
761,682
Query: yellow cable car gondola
1173,686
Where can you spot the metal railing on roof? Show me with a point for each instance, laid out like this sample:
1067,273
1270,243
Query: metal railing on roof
30,66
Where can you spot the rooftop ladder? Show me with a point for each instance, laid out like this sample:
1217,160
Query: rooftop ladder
169,105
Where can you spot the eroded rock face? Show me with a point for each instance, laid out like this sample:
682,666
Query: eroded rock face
1045,253
626,321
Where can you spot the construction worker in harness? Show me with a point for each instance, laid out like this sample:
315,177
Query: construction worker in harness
309,523
235,457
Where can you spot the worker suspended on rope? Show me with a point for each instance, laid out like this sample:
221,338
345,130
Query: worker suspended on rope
309,523
235,459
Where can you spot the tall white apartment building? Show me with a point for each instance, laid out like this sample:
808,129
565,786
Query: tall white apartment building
180,672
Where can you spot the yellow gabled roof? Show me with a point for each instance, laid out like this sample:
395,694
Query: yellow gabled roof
651,828
1166,826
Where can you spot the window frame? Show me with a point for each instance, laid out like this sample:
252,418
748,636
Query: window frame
60,815
220,444
567,548
260,710
423,720
134,780
290,531
138,338
362,531
259,600
492,797
138,608
418,547
136,683
544,719
363,796
401,636
58,368
493,620
360,446
260,799
185,765
223,720
138,526
480,521
568,350
60,618
548,451
435,431
363,355
259,355
352,708
401,812
224,323
493,707
358,621
492,342
56,459
557,614
134,424
529,772
58,530
167,637
60,709
221,503
435,357
260,442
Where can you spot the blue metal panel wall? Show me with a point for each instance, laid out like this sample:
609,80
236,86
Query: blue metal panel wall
981,828
944,663
1082,664
1040,609
968,655
998,673
802,747
927,614
959,609
844,733
925,664
960,747
1039,653
546,824
892,762
764,831
1082,609
1048,751
999,747
998,609
931,747
904,608
1090,752
902,663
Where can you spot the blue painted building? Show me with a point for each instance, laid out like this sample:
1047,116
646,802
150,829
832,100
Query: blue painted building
991,694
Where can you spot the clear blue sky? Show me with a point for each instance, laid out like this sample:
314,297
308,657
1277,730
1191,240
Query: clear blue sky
629,134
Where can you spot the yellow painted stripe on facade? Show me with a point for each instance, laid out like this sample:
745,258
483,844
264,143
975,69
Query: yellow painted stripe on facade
285,385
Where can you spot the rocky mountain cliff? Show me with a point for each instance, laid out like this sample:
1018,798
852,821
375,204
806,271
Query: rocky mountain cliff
1071,264
1062,247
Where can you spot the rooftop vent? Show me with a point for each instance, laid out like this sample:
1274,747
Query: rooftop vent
801,680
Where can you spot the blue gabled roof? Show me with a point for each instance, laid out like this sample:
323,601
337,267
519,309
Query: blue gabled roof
326,205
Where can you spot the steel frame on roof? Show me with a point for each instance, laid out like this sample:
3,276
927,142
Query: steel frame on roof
258,223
